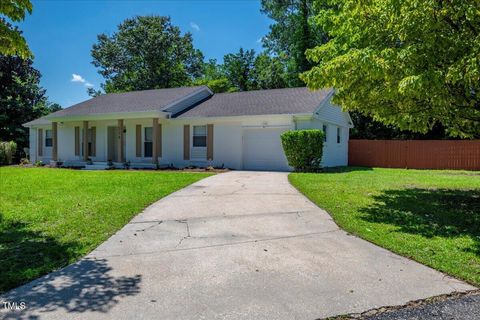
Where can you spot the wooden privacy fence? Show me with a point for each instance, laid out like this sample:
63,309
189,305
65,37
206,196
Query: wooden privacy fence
415,154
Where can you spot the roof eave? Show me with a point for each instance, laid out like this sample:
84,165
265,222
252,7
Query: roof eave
110,116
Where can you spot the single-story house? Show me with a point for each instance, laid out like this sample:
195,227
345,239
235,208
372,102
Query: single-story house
189,126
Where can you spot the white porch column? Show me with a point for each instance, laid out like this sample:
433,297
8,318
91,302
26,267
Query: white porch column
121,141
54,141
155,137
85,141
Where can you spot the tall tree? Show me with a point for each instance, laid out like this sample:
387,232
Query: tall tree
292,33
269,72
22,99
147,52
244,71
239,69
11,40
414,64
92,92
213,76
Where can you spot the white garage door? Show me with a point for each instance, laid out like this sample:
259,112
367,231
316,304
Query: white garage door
262,149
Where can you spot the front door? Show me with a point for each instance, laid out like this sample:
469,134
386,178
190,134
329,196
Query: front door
113,144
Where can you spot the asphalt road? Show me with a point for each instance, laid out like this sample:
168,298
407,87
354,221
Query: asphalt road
458,308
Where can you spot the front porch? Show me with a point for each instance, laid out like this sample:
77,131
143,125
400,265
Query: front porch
101,144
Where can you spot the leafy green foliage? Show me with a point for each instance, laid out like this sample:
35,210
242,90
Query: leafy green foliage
51,217
7,150
92,92
239,69
368,128
213,76
303,149
410,63
11,40
217,85
269,72
292,33
22,99
147,52
244,71
432,216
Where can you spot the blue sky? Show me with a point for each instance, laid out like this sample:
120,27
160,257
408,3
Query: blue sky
61,34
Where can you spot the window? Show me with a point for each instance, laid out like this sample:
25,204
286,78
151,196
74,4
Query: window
148,142
324,128
339,132
48,138
199,136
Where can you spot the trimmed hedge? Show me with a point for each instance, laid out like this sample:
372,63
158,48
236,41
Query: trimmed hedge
303,149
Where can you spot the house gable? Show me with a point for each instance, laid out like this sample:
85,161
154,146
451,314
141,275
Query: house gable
332,113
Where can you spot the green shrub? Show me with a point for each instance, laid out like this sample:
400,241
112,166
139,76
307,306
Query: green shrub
7,150
303,149
39,163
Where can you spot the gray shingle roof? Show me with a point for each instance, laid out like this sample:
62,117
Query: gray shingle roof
134,101
259,102
38,122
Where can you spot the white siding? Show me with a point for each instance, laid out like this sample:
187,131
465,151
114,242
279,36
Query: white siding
227,144
334,154
227,141
333,114
66,141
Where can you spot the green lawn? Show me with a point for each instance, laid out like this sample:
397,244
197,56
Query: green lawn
430,216
52,217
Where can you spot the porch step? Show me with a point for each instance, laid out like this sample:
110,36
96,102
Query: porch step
96,166
143,166
73,164
118,165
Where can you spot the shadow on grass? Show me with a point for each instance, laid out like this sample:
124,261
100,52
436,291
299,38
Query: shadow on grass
83,286
429,212
345,169
26,254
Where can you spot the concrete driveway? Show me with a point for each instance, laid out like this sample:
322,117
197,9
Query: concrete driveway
238,245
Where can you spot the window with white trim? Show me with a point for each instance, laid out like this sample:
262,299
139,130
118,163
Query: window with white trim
148,142
339,134
48,138
324,128
199,136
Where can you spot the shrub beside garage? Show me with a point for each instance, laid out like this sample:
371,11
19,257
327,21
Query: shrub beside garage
303,149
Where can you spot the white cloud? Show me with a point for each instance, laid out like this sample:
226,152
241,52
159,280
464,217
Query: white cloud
259,40
77,78
194,26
